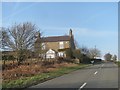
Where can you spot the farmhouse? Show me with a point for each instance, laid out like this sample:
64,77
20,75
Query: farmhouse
54,46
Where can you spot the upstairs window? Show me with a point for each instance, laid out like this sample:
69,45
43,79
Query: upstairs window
61,45
43,46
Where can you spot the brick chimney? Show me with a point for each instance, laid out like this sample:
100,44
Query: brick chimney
70,33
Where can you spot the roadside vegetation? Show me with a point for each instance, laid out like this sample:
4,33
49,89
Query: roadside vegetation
25,76
118,63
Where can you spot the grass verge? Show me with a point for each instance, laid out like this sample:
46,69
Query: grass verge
29,81
118,63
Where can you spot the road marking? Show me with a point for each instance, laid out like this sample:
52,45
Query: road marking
96,72
82,86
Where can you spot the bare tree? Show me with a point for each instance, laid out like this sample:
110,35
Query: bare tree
114,57
19,38
94,52
76,44
84,50
4,38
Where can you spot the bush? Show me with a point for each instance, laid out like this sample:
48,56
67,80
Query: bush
11,57
62,60
84,59
4,57
77,61
8,57
69,53
47,63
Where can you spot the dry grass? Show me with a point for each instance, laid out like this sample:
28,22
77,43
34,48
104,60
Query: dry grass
32,69
22,71
55,71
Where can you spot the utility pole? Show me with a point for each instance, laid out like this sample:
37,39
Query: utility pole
95,52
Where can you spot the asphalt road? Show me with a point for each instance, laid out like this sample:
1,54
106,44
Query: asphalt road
104,75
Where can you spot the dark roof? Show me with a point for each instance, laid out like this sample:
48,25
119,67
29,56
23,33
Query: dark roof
54,39
53,50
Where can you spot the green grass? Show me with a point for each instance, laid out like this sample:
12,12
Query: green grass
29,81
118,63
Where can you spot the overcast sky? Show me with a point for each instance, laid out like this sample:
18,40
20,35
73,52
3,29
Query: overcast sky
93,23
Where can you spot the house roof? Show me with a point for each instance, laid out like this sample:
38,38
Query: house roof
51,51
54,39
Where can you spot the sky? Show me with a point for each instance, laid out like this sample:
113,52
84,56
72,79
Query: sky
93,23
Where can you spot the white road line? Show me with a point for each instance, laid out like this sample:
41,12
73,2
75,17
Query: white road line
96,72
82,86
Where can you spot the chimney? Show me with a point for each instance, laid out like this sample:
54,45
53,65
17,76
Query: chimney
70,33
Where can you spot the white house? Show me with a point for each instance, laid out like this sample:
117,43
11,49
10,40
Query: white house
50,53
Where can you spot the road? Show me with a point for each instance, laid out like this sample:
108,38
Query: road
104,75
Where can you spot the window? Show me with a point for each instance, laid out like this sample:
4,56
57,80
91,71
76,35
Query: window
60,54
43,46
61,45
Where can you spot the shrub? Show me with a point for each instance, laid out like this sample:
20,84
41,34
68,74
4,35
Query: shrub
62,60
47,63
84,59
69,53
